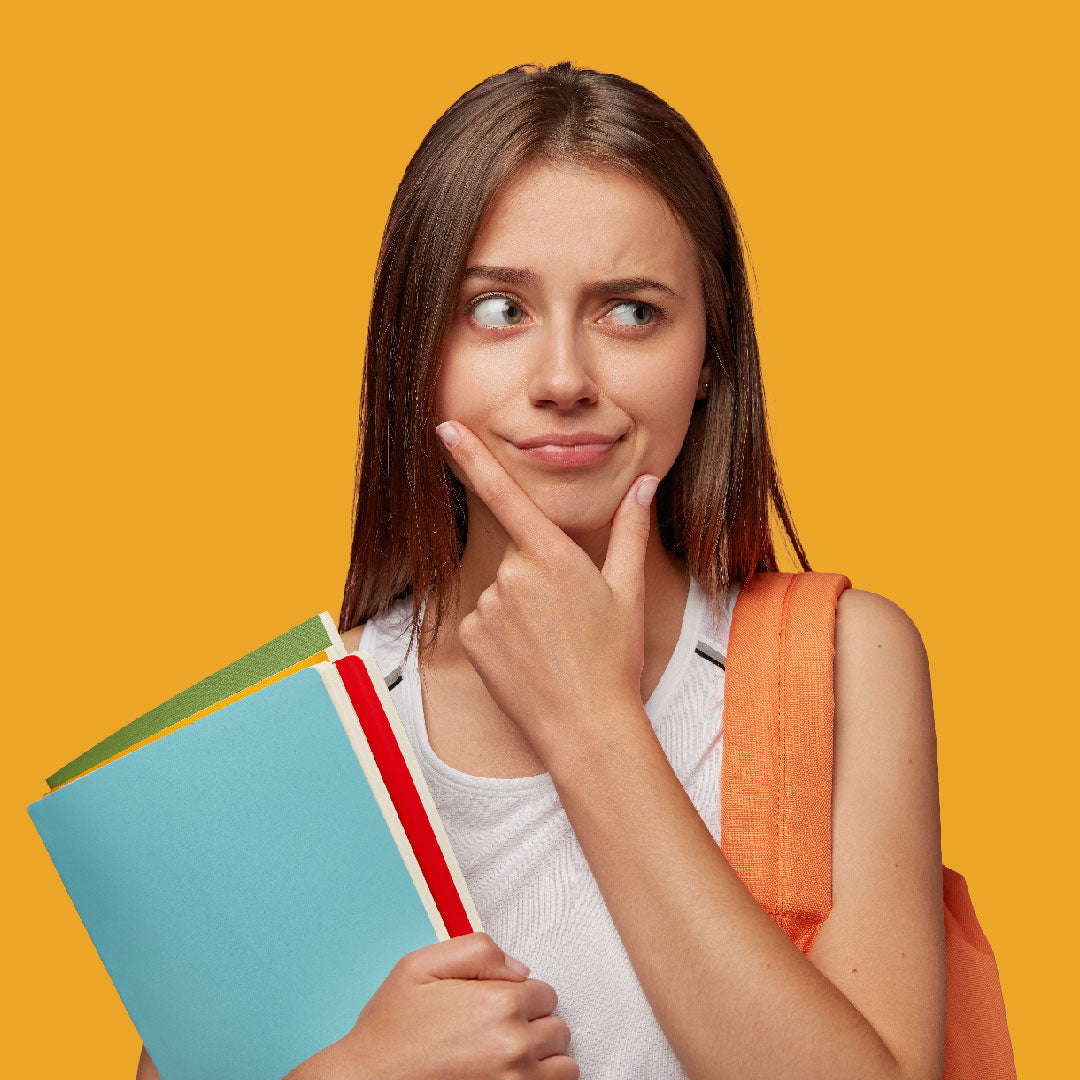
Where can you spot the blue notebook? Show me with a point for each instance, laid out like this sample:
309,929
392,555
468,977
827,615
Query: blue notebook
245,879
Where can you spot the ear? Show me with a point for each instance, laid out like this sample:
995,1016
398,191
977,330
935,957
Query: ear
706,373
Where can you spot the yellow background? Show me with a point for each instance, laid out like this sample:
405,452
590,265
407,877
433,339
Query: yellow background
196,197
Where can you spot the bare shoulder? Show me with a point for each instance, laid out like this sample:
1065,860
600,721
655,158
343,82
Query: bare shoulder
881,676
864,614
883,943
884,715
351,638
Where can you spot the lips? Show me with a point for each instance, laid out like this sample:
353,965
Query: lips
572,438
574,455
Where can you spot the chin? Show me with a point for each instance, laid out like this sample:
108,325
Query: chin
578,520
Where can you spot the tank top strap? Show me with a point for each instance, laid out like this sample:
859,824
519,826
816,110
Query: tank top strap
714,629
386,637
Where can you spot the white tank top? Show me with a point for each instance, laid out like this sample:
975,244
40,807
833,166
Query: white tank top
527,874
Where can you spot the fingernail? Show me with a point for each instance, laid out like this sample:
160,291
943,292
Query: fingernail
646,490
516,965
449,434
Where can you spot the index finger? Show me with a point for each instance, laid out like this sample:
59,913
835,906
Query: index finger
525,523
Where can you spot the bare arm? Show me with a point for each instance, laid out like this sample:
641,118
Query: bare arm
147,1070
734,996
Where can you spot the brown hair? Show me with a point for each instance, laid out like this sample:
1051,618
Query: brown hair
409,510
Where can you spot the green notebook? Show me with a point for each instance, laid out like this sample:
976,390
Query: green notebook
311,641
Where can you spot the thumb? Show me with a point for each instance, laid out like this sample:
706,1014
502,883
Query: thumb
625,559
468,956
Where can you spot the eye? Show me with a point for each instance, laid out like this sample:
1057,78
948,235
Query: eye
494,307
639,307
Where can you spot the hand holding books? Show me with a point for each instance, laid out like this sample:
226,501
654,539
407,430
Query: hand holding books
456,1008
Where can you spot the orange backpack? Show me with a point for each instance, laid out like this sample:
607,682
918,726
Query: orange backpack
776,800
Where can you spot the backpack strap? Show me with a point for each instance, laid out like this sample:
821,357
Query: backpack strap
777,760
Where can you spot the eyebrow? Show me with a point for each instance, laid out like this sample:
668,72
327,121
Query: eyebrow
512,275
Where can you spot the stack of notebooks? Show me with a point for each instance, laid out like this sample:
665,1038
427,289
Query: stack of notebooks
251,857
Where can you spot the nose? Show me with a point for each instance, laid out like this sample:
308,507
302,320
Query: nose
562,370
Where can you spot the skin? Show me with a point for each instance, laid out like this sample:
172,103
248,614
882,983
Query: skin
732,993
563,580
566,359
558,576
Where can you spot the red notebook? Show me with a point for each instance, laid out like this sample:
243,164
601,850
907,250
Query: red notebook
397,763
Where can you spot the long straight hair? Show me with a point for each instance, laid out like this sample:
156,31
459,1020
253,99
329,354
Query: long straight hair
409,510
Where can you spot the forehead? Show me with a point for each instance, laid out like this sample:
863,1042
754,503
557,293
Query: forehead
593,220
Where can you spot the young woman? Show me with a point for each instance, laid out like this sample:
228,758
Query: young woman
561,289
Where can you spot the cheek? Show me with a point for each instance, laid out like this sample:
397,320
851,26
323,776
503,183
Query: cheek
466,391
469,394
663,421
661,401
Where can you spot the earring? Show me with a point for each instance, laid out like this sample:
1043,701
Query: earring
705,388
